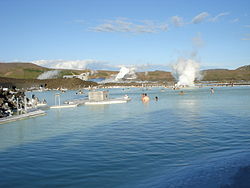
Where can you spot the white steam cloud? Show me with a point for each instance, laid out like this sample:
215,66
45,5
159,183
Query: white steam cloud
186,71
63,64
48,75
126,73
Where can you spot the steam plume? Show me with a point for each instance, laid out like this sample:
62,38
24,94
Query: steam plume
126,73
48,75
185,72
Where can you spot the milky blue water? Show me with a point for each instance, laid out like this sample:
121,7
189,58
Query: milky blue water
195,140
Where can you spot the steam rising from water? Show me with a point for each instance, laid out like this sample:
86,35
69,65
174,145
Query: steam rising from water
48,75
126,73
185,72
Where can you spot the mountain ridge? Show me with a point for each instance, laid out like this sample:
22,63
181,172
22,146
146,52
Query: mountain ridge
26,70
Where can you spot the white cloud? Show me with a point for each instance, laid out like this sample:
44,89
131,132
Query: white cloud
216,18
177,21
147,67
96,65
199,18
124,25
64,64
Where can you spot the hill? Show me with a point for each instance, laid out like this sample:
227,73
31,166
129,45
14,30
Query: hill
244,68
21,70
32,71
73,83
155,76
226,75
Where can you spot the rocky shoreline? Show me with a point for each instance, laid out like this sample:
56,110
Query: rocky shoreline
11,101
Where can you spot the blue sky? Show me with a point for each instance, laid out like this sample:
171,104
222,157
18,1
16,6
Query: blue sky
75,33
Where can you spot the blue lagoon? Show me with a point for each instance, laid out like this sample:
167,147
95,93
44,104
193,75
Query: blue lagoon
197,139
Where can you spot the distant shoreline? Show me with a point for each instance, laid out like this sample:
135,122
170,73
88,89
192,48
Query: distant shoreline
74,83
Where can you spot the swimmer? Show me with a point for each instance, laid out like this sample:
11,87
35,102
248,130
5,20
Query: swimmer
145,98
212,90
181,93
142,96
156,98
